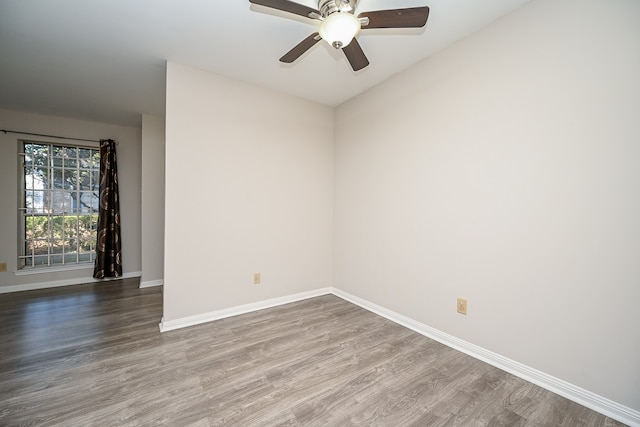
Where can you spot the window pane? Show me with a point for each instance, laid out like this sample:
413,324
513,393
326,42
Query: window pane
72,179
28,162
41,246
34,201
57,246
57,151
28,247
71,246
87,246
71,163
40,260
83,179
56,178
70,152
85,154
87,226
95,179
86,257
70,227
88,202
35,227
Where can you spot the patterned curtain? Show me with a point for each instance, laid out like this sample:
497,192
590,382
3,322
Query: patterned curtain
108,251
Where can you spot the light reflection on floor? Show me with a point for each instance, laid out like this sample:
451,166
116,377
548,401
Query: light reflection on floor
40,314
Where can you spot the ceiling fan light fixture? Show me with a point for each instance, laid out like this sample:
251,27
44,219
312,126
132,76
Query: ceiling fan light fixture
339,28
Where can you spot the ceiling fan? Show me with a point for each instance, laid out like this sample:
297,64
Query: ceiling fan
339,26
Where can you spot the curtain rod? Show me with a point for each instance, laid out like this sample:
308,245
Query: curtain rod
48,136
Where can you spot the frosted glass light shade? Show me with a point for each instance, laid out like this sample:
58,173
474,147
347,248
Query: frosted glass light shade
339,28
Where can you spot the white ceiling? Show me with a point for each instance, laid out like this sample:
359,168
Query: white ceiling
105,60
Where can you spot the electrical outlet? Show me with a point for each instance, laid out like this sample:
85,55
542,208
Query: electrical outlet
3,266
462,306
256,278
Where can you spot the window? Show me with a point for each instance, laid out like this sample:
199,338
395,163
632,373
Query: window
59,204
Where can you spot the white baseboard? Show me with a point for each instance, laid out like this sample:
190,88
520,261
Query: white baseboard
151,283
572,392
64,282
169,325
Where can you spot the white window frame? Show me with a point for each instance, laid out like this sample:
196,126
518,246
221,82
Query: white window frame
70,213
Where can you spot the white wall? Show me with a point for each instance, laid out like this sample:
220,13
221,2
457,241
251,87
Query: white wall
249,188
128,151
152,221
505,170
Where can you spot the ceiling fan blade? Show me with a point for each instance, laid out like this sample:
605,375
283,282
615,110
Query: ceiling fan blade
300,48
412,17
355,55
287,6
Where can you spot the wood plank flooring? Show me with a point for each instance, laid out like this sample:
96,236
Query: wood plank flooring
92,355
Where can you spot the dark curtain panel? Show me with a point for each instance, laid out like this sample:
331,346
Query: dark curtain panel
108,251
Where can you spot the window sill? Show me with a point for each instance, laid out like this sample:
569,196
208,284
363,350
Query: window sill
40,270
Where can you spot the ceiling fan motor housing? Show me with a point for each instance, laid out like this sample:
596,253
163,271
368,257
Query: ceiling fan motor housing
329,7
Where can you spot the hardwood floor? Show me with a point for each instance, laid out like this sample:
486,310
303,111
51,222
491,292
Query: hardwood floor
92,355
